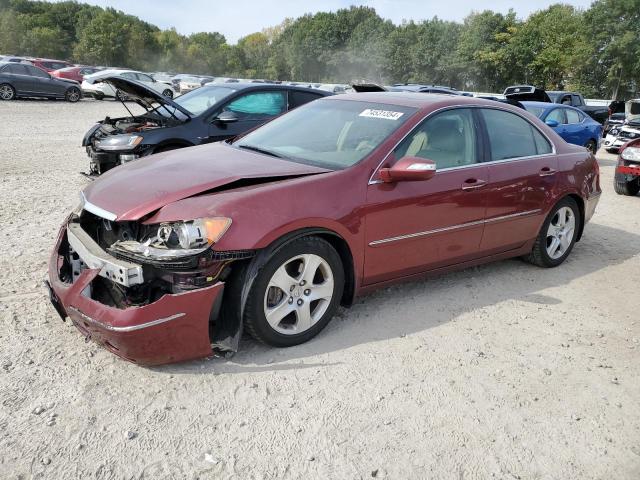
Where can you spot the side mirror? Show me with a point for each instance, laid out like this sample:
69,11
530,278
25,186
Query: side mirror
552,123
227,116
409,169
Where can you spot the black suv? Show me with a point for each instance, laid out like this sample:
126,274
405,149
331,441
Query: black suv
214,112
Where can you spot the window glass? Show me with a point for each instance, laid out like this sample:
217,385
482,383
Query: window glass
144,78
556,114
16,69
300,98
344,132
197,101
572,116
576,99
37,72
566,100
259,103
542,144
129,75
447,138
54,65
511,136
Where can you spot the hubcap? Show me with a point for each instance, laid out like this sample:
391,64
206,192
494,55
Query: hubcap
74,95
5,92
560,232
298,294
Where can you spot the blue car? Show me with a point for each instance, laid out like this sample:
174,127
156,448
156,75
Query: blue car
570,123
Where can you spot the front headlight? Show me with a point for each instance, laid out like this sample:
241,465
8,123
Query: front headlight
178,239
631,153
120,142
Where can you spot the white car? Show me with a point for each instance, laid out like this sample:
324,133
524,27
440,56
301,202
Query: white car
100,90
630,130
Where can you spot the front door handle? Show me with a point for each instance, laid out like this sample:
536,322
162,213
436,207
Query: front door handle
547,171
473,184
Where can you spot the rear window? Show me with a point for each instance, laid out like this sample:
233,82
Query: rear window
511,136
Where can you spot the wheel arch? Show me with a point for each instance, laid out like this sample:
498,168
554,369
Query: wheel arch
580,202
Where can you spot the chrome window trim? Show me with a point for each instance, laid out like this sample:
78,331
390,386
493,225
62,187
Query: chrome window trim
450,107
453,227
130,328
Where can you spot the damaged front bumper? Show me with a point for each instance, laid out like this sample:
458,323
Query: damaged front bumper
173,328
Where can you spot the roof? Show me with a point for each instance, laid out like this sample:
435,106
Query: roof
262,86
417,100
548,106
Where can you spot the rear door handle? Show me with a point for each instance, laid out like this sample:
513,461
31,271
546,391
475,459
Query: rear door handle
473,184
546,171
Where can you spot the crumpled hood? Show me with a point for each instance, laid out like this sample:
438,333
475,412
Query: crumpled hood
139,188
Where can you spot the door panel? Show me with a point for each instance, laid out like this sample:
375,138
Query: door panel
417,226
522,175
442,223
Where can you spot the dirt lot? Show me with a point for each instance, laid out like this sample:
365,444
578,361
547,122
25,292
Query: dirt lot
505,371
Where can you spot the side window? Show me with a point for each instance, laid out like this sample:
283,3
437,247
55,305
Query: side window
258,104
300,98
129,75
36,72
447,138
566,100
576,100
557,114
511,136
144,78
572,116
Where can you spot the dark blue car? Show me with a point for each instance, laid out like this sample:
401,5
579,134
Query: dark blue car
570,123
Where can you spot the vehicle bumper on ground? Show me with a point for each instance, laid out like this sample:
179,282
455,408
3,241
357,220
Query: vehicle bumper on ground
172,329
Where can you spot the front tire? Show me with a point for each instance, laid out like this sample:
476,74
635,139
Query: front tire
121,96
557,235
73,95
624,187
7,92
295,293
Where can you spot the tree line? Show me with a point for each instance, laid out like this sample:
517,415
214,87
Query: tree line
595,51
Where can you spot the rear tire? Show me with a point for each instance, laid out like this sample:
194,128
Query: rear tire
299,288
625,187
7,92
557,236
73,95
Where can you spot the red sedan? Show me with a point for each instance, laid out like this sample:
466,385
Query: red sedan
173,255
74,73
49,65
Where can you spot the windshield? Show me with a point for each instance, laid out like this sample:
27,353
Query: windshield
333,134
537,111
632,110
197,101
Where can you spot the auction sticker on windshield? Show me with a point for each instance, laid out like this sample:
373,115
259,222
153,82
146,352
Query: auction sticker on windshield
388,114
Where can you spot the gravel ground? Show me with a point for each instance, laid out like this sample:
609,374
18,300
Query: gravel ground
504,371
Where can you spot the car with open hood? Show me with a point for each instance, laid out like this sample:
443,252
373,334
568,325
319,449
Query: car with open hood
629,130
173,256
211,113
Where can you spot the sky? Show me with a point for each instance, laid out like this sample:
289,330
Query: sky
237,18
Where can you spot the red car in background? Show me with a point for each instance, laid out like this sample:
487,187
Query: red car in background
173,255
49,65
75,73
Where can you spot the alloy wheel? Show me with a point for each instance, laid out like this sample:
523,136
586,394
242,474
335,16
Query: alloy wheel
73,95
560,232
6,92
298,294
